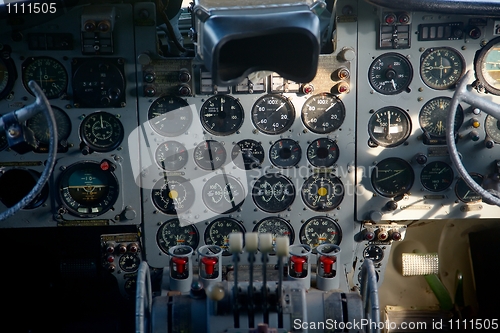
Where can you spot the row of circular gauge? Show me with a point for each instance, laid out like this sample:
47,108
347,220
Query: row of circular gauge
440,68
315,231
224,115
394,177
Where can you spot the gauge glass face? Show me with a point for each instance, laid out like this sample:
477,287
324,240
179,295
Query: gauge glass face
48,73
86,190
436,176
222,115
322,192
374,253
170,116
38,124
248,154
323,113
102,131
323,153
320,230
273,193
285,153
273,114
389,126
487,66
173,195
217,233
171,234
7,77
277,227
465,193
390,74
129,262
392,177
210,155
492,128
223,194
433,117
4,76
441,68
171,156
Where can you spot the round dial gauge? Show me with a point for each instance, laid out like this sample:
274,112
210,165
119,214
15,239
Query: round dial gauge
277,227
129,262
285,153
38,124
273,193
374,253
101,131
433,116
392,177
49,73
88,189
173,195
389,126
487,66
323,153
320,230
465,193
390,73
248,154
273,114
441,68
171,156
7,77
323,113
170,116
492,128
222,115
217,232
436,176
223,194
210,155
171,234
322,192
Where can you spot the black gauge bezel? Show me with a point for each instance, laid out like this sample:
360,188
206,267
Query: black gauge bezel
72,205
458,75
479,61
404,86
459,117
281,221
209,164
495,134
307,224
162,242
427,173
367,255
383,141
408,181
64,127
314,160
168,206
31,61
248,163
461,182
229,205
274,205
290,161
177,164
311,201
337,110
10,68
237,112
124,265
89,139
177,129
289,112
236,225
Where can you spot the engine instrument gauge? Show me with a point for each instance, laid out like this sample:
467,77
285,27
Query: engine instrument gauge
273,114
320,230
38,124
210,155
389,126
223,194
441,68
374,253
277,227
171,156
7,77
273,193
487,66
390,73
323,113
222,115
285,153
248,154
323,153
173,195
465,193
101,131
170,116
129,262
436,176
49,73
217,232
88,189
492,128
171,233
322,192
432,117
392,177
